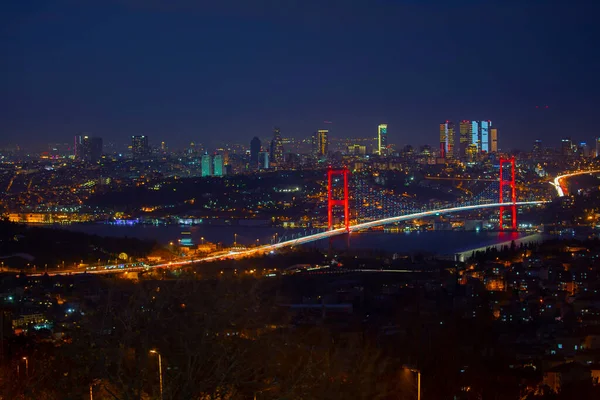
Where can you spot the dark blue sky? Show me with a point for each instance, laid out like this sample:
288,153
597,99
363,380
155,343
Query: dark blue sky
184,70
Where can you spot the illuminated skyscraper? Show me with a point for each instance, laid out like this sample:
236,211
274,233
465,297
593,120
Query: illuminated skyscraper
255,146
382,139
139,146
465,137
447,139
276,147
207,165
484,136
475,135
493,140
322,142
218,169
598,147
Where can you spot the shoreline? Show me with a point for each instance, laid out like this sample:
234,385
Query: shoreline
535,237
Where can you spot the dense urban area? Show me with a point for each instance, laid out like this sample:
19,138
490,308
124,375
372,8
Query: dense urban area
107,317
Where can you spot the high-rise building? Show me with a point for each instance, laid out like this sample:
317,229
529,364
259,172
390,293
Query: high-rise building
255,146
598,147
484,135
321,142
465,137
88,148
207,165
81,147
566,147
382,139
447,139
139,146
218,169
277,147
263,160
493,140
475,139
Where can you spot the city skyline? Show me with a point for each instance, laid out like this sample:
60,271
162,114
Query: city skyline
280,65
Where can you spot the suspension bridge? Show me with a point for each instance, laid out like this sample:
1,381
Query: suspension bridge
375,206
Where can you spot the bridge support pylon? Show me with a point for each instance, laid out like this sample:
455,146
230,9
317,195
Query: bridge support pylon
331,202
513,193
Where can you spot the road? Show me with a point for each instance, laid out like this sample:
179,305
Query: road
562,190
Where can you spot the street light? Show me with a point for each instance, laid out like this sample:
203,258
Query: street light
202,238
418,372
160,377
26,366
235,239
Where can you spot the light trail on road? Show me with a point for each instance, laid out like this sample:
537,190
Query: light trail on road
560,189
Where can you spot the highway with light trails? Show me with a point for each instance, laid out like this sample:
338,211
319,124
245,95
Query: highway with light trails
562,190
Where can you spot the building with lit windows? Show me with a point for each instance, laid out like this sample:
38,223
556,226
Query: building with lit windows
598,147
207,165
484,135
321,142
263,160
537,148
566,147
218,164
276,155
465,137
475,139
447,139
382,139
88,148
357,150
139,146
493,140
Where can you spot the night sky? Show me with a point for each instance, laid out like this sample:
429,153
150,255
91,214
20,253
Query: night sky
184,70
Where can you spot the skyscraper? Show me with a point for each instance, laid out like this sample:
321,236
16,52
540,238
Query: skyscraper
88,148
139,146
218,169
322,142
277,147
484,136
465,137
254,150
382,139
207,165
493,140
447,139
263,160
475,139
598,147
566,148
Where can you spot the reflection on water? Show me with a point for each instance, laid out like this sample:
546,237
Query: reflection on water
440,242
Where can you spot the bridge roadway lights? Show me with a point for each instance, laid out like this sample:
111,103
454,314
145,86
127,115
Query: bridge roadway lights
513,193
331,202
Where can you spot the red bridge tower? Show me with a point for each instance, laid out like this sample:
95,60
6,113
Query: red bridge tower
331,202
513,192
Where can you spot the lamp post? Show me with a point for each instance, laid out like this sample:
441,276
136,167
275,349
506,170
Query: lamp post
418,372
26,366
160,377
202,239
